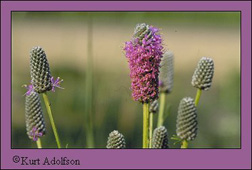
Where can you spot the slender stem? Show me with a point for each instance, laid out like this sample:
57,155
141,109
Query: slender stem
39,143
197,97
184,144
167,111
150,129
145,124
89,85
49,111
161,110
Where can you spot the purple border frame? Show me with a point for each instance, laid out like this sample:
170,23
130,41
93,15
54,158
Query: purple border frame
130,158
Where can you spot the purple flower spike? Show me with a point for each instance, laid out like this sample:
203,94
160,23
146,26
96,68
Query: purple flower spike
56,83
35,134
144,55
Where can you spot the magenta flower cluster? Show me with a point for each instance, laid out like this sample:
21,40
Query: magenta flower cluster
144,57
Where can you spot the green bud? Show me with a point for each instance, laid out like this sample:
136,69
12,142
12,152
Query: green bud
154,106
160,139
187,119
40,71
33,114
166,72
203,74
141,30
116,140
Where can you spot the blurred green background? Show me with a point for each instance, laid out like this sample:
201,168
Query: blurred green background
64,37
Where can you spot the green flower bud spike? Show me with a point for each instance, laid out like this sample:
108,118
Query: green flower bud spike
202,77
35,124
154,106
160,139
187,121
40,71
116,140
166,73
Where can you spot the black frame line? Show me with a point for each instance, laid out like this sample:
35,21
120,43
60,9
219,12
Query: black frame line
129,0
131,11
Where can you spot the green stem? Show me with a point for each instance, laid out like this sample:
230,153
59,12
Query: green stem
145,124
197,97
150,129
48,108
89,85
39,143
184,144
161,110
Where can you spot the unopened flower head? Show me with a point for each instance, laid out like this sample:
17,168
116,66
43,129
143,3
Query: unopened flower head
166,73
40,71
187,124
160,138
144,53
116,140
203,74
35,124
154,106
142,31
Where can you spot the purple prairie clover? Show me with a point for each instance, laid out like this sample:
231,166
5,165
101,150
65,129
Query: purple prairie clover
144,57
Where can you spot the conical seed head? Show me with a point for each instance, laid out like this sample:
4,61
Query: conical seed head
166,72
187,124
203,74
160,138
154,106
33,114
116,140
40,71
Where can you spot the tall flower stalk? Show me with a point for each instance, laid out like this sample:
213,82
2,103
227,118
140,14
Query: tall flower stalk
145,125
49,111
42,81
202,77
144,53
165,83
153,109
89,84
39,145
